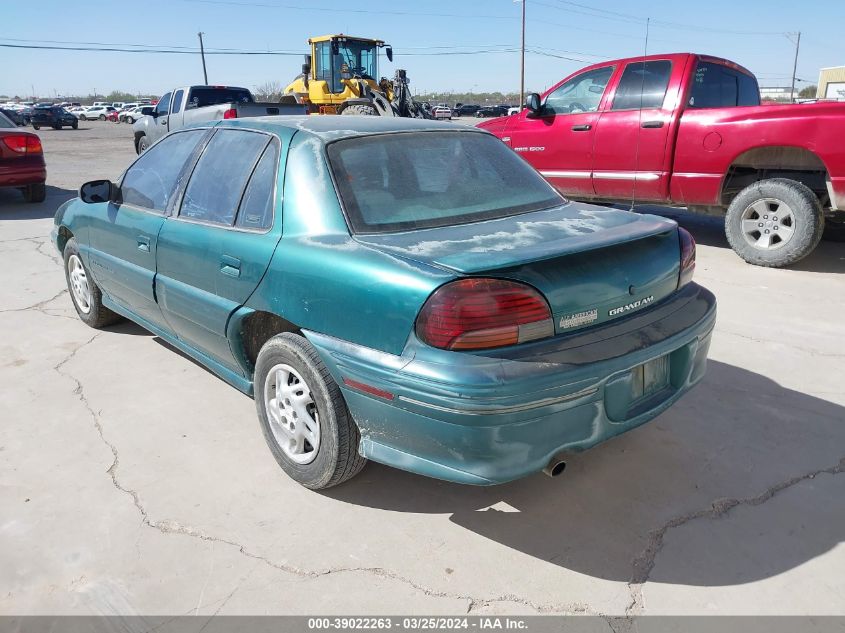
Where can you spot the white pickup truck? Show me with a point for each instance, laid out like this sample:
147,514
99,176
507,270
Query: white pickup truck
197,104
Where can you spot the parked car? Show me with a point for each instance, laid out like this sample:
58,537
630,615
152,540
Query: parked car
96,112
197,104
689,130
22,161
491,111
55,117
15,116
441,112
466,110
506,326
134,114
113,116
77,111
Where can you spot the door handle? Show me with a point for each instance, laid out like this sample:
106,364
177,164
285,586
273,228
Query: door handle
582,128
652,124
230,266
144,243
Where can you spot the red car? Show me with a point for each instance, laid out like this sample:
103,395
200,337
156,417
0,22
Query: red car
689,130
22,161
113,116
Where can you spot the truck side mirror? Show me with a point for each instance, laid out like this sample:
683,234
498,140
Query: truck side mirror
389,52
532,102
99,191
306,66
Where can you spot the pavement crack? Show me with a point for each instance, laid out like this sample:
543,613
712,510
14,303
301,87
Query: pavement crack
804,350
40,306
644,563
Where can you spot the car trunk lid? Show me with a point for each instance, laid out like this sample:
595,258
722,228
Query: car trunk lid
592,264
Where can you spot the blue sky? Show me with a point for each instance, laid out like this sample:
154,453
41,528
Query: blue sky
431,39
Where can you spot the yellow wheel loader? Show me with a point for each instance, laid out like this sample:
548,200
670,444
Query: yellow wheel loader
339,77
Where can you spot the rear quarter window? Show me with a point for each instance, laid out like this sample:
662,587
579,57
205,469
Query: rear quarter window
717,86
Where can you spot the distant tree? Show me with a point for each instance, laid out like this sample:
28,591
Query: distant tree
269,91
809,92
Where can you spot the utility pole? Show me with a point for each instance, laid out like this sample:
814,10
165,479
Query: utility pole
522,61
202,54
795,67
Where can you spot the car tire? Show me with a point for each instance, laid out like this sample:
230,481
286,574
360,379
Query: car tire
75,125
289,361
360,109
84,292
58,126
142,145
776,207
35,193
130,120
36,127
83,117
102,117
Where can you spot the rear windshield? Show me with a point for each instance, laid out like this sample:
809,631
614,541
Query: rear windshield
405,181
201,97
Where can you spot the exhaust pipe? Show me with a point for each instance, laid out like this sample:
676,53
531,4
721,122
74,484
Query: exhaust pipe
556,466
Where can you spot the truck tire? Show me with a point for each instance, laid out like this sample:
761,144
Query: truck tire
360,109
834,227
303,415
774,222
142,144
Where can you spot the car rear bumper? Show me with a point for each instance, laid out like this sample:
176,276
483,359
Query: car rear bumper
486,419
19,172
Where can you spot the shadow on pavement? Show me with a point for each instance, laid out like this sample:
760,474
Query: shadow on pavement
13,207
736,434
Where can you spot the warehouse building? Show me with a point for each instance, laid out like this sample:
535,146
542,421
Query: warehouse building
832,83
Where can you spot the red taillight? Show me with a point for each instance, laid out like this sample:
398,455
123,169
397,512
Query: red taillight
231,113
23,143
687,257
483,313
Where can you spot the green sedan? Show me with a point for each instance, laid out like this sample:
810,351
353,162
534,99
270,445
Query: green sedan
406,291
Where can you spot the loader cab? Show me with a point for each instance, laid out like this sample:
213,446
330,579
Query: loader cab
336,59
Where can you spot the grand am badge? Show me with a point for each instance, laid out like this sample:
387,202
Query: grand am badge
631,306
577,319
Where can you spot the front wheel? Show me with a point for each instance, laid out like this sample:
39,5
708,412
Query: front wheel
36,127
130,120
102,117
774,222
84,292
75,125
143,144
303,415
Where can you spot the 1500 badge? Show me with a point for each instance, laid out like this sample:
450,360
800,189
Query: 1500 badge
639,303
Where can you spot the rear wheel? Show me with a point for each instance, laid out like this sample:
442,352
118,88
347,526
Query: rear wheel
84,292
35,193
303,415
130,120
360,109
774,222
75,125
83,117
102,117
36,127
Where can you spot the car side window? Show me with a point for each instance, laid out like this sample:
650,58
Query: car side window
643,84
150,182
218,180
717,86
257,206
582,93
177,100
163,104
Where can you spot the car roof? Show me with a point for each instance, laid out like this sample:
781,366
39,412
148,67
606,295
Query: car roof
331,128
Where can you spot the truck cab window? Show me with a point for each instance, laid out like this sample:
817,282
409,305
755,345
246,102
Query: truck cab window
717,86
582,93
163,105
643,85
177,101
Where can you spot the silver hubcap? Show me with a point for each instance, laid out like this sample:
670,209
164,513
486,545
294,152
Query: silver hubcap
292,414
79,284
768,224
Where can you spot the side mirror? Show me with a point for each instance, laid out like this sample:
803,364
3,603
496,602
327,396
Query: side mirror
532,102
389,52
99,191
306,66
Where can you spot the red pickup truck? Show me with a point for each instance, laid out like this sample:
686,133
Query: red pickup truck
685,129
